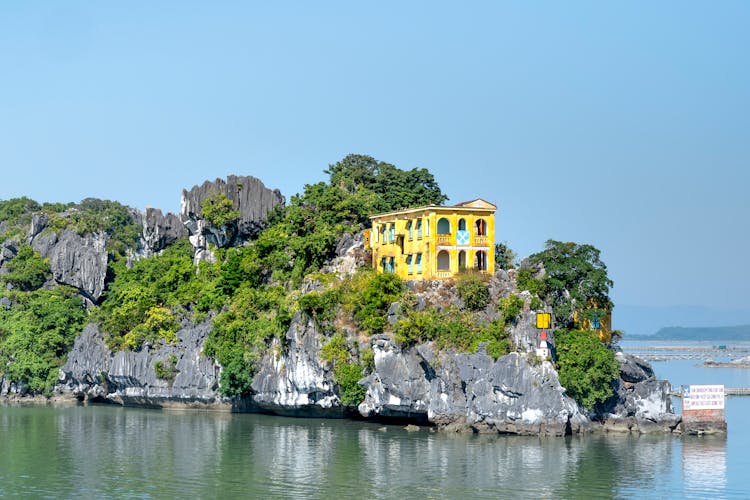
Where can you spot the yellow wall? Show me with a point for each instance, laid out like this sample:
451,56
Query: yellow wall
430,243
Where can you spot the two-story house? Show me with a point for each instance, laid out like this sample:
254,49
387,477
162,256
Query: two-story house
435,242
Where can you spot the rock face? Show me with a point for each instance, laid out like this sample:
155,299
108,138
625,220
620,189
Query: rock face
78,261
159,231
641,403
469,392
249,196
294,381
93,372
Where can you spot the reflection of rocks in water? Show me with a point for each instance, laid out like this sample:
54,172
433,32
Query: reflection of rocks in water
132,448
704,465
449,465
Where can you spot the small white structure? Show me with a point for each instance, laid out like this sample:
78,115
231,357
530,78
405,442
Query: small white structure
543,350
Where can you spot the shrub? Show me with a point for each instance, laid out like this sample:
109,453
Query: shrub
586,367
347,376
525,281
510,307
371,305
27,270
219,210
495,334
166,370
321,306
474,292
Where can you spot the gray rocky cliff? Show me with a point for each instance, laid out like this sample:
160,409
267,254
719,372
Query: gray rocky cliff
75,260
294,380
641,402
469,391
158,231
249,196
94,372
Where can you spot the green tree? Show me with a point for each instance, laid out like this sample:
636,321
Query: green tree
504,256
473,291
586,367
219,210
27,270
575,279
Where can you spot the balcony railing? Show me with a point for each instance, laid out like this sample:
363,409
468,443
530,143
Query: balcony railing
443,239
480,241
443,274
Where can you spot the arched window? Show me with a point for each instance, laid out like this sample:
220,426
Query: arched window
444,260
443,226
480,260
462,224
481,227
462,260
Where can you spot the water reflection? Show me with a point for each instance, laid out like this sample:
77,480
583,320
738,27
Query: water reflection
109,452
704,464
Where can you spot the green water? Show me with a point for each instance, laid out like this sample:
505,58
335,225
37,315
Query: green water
114,452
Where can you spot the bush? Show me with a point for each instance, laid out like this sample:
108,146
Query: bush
525,281
36,334
510,307
495,334
586,367
219,210
347,377
474,292
371,305
320,306
27,270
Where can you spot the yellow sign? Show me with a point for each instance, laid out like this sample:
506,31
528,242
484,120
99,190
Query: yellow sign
543,320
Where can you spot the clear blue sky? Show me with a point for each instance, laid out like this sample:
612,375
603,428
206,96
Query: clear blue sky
621,124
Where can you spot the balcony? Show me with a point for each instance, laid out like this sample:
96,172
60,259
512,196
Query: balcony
480,241
443,239
443,274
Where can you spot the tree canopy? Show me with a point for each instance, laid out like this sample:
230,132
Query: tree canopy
575,279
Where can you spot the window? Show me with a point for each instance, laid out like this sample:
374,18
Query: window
481,227
444,261
480,261
419,262
392,265
383,265
409,264
462,260
443,226
392,233
419,229
409,229
462,224
382,233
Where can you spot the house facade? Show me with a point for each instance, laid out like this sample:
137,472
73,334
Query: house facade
434,242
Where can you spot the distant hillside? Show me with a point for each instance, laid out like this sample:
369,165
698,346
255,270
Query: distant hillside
740,332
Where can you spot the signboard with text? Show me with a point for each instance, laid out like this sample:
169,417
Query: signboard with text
703,397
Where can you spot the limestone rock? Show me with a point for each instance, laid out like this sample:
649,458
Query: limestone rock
78,261
129,377
294,381
249,196
159,230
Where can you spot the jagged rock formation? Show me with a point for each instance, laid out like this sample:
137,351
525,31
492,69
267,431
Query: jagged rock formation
95,373
462,391
249,196
159,230
78,261
294,381
641,403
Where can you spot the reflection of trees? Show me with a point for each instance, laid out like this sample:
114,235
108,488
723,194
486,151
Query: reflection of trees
621,466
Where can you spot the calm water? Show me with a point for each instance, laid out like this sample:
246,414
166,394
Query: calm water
106,452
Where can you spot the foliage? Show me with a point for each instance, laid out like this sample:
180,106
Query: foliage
321,306
347,377
372,303
395,188
575,279
219,210
27,270
346,374
166,370
242,333
525,280
36,333
504,256
93,215
473,291
18,210
138,302
496,336
510,307
585,366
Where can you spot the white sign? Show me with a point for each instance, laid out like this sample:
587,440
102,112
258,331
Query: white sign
703,397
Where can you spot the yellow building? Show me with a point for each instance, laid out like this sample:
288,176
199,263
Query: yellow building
435,242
